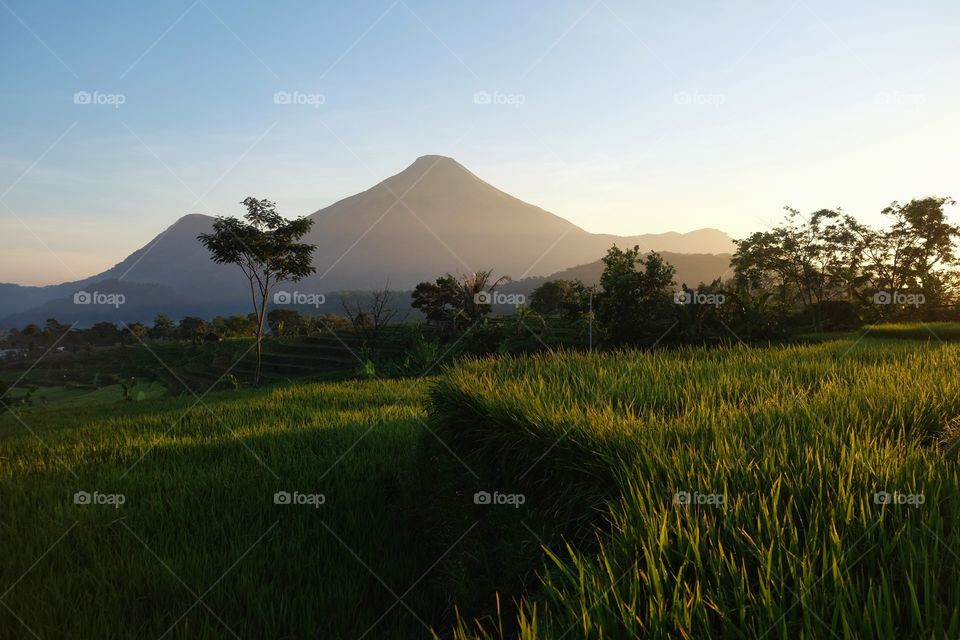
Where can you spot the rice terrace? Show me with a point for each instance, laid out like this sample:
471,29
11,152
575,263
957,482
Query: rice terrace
816,450
403,319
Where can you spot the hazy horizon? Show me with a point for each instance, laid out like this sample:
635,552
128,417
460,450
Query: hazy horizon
622,119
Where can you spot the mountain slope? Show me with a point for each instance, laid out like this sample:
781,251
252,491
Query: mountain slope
448,219
433,217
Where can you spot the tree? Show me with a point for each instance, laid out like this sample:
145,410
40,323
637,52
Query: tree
437,300
569,298
921,241
457,303
807,260
192,328
104,334
136,331
635,306
284,322
54,329
162,327
267,249
241,325
828,262
369,317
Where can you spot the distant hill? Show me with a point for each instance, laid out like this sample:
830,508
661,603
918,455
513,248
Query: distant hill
691,269
446,220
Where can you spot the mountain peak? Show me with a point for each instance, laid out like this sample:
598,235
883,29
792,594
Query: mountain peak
433,158
437,174
432,163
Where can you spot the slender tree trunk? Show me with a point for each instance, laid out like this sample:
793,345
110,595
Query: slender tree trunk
256,372
260,329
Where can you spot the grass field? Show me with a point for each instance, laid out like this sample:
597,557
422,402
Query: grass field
728,493
198,518
183,366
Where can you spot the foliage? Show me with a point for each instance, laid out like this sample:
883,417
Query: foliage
635,303
267,249
453,303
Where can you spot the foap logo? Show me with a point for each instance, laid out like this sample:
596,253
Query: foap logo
85,498
899,99
100,99
497,498
299,499
515,100
496,297
297,297
296,98
899,499
695,297
898,297
700,99
686,498
97,298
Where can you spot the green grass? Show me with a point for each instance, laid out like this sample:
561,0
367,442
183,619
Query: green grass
199,514
797,439
62,397
183,367
934,331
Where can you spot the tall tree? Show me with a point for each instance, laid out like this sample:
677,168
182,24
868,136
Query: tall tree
267,248
807,259
923,243
635,306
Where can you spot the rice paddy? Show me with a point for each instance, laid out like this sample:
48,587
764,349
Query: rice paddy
801,491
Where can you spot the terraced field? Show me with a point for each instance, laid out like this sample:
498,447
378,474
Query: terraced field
181,366
160,518
805,491
801,492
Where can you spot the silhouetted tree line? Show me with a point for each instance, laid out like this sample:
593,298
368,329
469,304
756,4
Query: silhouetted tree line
821,272
281,322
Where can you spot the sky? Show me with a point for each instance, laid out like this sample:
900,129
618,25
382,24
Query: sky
624,117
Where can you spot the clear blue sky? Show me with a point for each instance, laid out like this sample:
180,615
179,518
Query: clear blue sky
633,117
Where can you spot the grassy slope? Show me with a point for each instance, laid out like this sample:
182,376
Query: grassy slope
182,365
798,440
199,509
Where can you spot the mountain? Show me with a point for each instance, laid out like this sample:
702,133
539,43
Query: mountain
448,219
433,217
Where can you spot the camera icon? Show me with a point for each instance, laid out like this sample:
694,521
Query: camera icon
81,497
281,497
482,97
483,297
82,297
482,497
681,497
881,497
682,97
882,297
282,297
82,97
682,297
282,97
